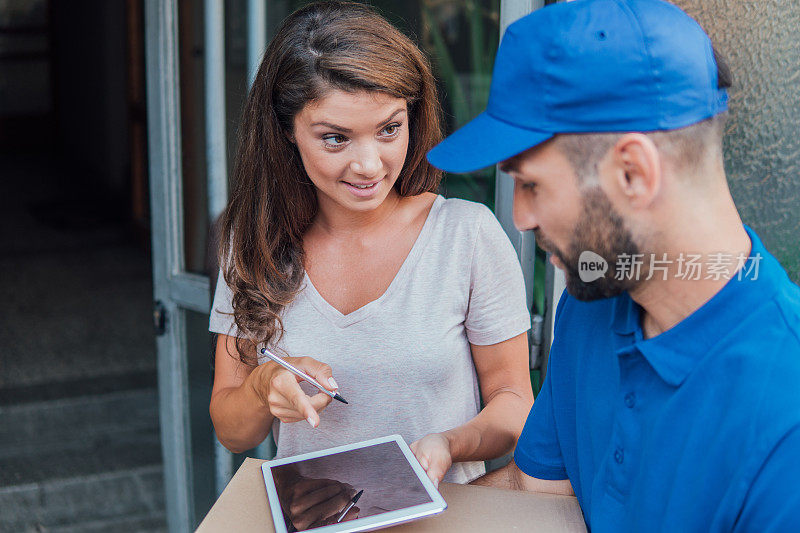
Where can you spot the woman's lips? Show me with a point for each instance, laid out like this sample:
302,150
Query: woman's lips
363,190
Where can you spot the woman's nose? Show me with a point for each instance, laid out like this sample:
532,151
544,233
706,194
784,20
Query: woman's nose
367,163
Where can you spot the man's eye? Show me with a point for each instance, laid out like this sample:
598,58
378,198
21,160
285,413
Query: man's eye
528,186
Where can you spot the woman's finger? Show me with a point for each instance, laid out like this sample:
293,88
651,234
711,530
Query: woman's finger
436,474
319,371
302,405
288,416
286,393
320,401
282,385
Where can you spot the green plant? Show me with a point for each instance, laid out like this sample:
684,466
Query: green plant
465,77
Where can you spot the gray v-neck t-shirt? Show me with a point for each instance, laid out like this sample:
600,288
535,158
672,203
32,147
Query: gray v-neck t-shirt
403,361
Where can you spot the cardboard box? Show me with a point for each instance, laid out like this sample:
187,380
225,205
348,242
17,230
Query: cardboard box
243,508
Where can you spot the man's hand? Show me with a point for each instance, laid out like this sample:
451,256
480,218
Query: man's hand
511,477
433,453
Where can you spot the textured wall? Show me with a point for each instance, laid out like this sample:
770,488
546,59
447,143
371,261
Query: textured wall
760,41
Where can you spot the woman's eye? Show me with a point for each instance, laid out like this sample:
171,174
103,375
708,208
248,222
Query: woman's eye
391,130
334,140
529,186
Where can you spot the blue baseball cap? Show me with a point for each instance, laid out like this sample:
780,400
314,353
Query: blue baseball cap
589,66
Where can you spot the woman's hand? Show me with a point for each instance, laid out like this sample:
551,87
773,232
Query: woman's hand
433,453
279,390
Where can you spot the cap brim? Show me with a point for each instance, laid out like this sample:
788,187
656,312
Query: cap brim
482,142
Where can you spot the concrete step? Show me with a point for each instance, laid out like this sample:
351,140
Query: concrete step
130,497
84,423
110,456
149,523
90,463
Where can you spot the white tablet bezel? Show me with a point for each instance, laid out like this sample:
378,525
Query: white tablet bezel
389,518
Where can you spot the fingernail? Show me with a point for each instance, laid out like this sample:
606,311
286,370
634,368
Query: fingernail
436,483
311,422
333,383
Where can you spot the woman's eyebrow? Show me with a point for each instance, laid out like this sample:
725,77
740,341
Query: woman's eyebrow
398,111
333,126
348,130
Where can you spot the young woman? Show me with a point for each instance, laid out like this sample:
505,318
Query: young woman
339,255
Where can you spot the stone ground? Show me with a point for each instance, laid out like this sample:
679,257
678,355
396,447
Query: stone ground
79,438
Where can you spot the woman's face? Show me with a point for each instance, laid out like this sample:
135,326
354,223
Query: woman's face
353,147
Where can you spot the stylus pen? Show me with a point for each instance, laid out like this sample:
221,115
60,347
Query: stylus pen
350,505
299,373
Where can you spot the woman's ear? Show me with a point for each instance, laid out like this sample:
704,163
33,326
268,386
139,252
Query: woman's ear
290,136
636,165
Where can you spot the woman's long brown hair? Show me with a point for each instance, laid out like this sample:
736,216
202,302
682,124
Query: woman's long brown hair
320,47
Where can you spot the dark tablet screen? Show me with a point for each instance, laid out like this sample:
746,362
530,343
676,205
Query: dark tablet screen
317,492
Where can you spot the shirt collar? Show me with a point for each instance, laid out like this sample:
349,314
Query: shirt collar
674,353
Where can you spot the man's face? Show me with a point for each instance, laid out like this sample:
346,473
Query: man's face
569,215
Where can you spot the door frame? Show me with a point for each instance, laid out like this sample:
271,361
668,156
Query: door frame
174,289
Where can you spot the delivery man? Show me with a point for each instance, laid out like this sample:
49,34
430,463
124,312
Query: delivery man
672,396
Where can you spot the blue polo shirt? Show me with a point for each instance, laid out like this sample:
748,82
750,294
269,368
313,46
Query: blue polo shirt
696,429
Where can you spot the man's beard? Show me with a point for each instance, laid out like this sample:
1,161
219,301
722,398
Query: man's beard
601,230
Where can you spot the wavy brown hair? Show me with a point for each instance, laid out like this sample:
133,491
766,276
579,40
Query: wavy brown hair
319,48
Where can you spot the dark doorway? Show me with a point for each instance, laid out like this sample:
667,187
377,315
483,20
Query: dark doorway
79,438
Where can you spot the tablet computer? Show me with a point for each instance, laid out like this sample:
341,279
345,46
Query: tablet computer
358,487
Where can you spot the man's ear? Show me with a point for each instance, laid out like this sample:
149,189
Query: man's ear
636,165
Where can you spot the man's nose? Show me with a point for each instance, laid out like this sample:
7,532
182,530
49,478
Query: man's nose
524,216
367,162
